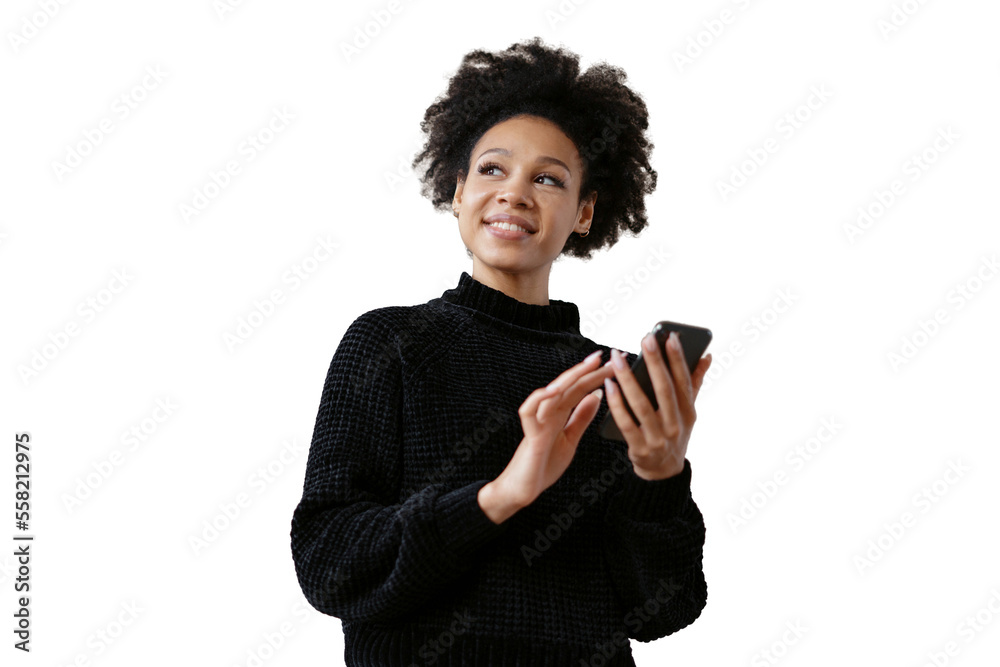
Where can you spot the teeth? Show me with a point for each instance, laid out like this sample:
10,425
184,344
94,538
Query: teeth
508,226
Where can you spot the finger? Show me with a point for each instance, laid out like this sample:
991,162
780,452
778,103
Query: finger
582,415
569,386
531,406
682,377
564,399
571,374
616,405
663,383
699,373
633,393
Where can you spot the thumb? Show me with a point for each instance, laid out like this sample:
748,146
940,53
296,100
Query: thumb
699,374
582,415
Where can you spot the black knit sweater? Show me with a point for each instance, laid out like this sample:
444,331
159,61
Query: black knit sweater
418,412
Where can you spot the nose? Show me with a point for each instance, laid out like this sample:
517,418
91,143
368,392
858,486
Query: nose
515,193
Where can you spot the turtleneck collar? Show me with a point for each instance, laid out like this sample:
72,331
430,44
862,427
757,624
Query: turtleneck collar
557,316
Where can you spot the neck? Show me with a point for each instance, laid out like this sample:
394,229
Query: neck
526,286
488,304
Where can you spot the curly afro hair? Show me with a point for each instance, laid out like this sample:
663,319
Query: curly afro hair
596,110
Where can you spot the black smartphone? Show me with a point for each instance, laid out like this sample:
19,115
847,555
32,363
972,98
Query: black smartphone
694,341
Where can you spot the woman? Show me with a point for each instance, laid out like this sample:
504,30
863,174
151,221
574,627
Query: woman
459,505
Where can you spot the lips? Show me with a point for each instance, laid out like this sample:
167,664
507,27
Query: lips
513,220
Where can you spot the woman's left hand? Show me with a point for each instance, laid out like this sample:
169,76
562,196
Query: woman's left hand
658,447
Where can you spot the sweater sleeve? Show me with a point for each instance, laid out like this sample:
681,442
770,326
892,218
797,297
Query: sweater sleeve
359,553
656,535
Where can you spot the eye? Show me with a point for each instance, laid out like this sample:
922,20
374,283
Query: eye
488,166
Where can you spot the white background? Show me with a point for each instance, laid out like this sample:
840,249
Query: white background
328,174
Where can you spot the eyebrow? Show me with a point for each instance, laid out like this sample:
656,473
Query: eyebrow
542,159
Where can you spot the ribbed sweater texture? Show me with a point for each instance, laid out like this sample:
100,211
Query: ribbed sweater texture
418,411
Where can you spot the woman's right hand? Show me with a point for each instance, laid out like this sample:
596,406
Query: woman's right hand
551,435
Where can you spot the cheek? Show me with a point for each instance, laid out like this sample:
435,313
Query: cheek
469,226
479,197
564,215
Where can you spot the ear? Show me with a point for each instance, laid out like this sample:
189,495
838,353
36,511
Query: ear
459,186
586,210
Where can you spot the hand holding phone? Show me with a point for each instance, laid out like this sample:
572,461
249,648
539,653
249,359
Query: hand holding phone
694,341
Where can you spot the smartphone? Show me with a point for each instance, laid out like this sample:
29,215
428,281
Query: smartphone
694,341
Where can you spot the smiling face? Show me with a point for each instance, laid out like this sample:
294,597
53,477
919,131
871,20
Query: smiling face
524,167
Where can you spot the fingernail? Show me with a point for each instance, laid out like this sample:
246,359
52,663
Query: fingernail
593,355
673,341
599,393
618,358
